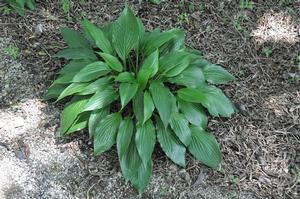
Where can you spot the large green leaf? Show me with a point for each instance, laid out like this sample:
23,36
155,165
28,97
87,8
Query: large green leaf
80,123
138,107
71,111
155,40
125,33
107,29
98,36
142,179
174,63
101,99
210,97
64,78
112,62
30,4
125,77
181,128
148,106
190,77
72,89
124,136
134,170
93,87
149,69
162,99
205,147
175,44
74,39
76,53
54,91
127,92
74,66
216,74
95,117
106,132
18,6
91,72
193,113
143,77
170,144
145,141
151,63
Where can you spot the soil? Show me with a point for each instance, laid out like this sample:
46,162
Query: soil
260,143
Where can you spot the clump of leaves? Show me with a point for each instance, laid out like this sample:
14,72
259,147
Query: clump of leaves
19,5
131,88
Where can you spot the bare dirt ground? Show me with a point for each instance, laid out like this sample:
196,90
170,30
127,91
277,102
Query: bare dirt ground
260,144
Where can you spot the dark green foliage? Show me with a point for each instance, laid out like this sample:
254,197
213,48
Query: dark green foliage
19,5
133,88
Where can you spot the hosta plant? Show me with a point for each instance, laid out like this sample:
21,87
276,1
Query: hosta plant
19,5
133,88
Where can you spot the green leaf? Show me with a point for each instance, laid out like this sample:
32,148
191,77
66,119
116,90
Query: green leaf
151,63
112,62
181,128
64,78
91,72
134,170
143,177
72,89
76,53
204,147
101,99
175,44
155,40
148,106
98,36
93,87
145,141
162,100
124,136
107,29
125,77
74,39
54,91
216,74
170,144
74,66
125,33
71,112
210,97
190,77
95,117
127,92
18,6
174,63
106,132
143,77
149,69
30,4
193,113
80,123
138,107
